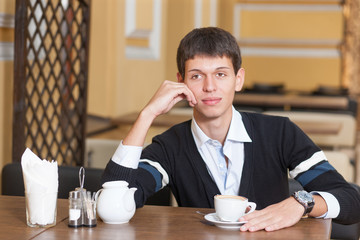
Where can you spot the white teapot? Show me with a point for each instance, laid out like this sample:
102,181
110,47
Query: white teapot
115,202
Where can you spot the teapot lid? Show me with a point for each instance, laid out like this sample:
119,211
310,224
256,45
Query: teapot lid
114,184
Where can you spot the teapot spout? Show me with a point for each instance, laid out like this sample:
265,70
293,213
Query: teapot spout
129,200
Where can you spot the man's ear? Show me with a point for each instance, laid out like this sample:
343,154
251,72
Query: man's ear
240,79
179,78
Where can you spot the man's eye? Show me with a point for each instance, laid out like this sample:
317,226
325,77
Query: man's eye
196,76
220,74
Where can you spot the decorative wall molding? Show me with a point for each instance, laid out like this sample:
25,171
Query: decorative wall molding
351,53
7,48
7,20
153,36
293,1
291,52
198,13
6,51
276,50
307,42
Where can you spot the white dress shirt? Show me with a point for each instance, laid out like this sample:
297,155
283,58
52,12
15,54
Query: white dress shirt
233,149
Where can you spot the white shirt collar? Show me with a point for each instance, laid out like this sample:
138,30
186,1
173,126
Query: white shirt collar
237,131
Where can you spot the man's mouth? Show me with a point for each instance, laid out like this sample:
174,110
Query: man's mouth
211,101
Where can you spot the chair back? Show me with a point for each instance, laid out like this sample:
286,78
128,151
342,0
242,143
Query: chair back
13,184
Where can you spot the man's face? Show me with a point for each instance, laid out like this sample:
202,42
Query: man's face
213,82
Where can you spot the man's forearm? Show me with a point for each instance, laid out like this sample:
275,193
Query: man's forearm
137,133
320,207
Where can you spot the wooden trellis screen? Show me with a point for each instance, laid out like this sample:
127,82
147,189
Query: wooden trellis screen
50,79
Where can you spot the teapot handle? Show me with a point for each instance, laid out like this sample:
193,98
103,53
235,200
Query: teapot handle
97,194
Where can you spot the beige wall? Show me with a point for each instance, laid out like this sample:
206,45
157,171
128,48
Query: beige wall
117,84
7,6
273,45
297,45
6,86
120,84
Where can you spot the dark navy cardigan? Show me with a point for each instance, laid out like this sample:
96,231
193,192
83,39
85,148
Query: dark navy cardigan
277,146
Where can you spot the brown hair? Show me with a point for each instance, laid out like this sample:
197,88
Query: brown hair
209,41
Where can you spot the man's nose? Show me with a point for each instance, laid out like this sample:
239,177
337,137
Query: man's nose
209,84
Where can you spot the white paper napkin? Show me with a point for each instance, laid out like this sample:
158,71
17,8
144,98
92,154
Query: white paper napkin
39,175
41,187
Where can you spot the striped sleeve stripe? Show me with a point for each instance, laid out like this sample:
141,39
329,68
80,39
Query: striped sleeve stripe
310,175
307,164
156,174
160,169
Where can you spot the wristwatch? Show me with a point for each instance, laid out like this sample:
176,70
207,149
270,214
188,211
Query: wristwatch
306,199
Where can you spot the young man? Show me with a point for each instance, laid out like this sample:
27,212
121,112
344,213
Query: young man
222,151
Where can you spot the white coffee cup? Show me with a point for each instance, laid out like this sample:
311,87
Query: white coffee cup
230,208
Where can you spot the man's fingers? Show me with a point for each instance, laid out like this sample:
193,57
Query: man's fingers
181,89
256,222
168,94
274,217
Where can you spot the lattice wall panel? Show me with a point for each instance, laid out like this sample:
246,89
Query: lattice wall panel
55,78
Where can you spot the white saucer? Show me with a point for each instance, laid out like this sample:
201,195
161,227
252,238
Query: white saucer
211,217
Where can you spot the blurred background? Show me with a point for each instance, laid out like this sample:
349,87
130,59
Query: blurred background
289,48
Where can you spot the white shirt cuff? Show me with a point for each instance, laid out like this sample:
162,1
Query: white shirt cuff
332,204
127,156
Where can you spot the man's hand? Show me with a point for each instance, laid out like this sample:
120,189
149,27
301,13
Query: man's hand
164,99
167,96
274,217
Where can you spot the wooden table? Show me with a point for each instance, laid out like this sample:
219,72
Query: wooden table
13,218
149,222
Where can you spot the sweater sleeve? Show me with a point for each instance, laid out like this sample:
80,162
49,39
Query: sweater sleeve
141,178
309,166
149,177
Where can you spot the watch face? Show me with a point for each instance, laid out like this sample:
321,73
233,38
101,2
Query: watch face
305,196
